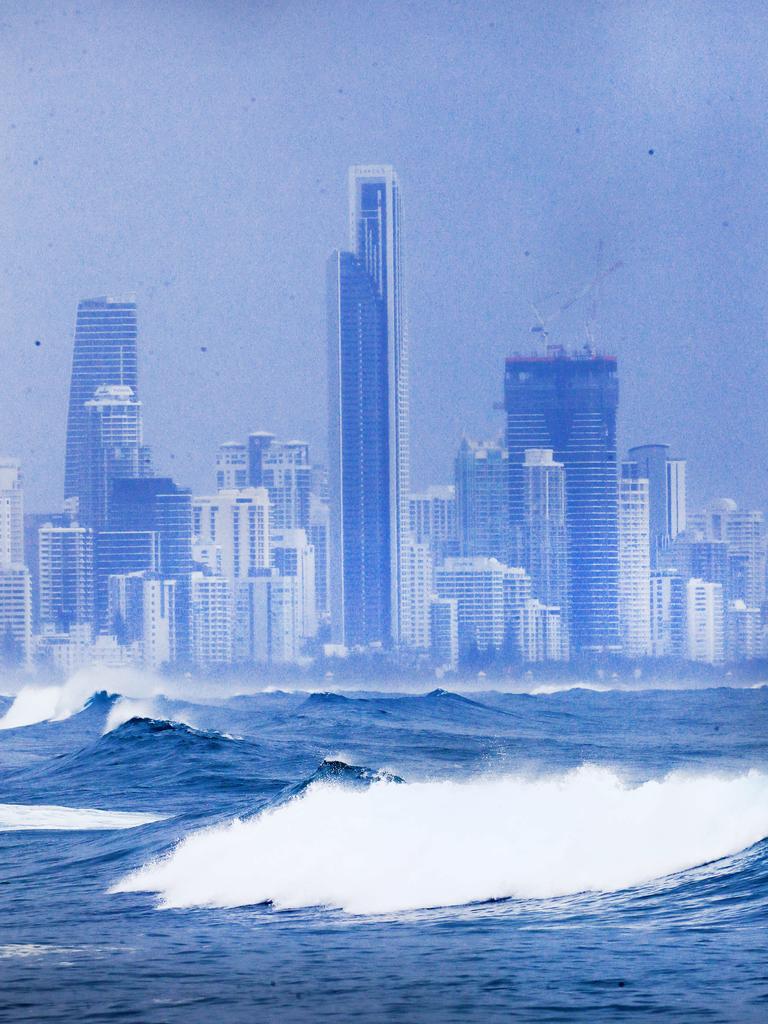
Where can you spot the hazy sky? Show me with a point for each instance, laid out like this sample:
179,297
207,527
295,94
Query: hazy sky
195,153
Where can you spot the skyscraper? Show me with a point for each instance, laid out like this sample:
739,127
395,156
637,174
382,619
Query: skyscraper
283,467
65,577
368,414
231,466
15,615
319,538
120,553
104,353
292,555
433,521
490,597
482,501
11,513
158,505
142,607
238,523
545,535
634,562
267,618
666,494
705,622
211,620
668,610
113,445
415,595
568,402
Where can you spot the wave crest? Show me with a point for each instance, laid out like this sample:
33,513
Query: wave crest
389,847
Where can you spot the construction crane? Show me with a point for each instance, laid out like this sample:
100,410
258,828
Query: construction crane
542,325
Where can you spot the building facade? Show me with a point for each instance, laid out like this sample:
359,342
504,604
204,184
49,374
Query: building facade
231,466
65,577
634,563
567,402
113,446
482,501
666,494
545,533
11,513
489,598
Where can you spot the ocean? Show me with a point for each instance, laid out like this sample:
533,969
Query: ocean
174,851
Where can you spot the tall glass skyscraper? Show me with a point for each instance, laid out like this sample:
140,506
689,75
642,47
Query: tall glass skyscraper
104,353
368,415
568,402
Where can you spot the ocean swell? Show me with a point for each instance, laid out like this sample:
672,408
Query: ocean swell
391,847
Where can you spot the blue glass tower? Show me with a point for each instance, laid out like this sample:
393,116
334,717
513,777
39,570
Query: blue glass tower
158,505
104,353
568,402
117,552
368,415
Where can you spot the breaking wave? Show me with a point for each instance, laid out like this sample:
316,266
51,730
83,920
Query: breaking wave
387,847
56,702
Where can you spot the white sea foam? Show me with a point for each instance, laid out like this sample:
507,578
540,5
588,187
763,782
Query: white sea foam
55,702
398,847
36,817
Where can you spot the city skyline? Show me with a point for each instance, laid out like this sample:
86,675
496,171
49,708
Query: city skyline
572,166
547,547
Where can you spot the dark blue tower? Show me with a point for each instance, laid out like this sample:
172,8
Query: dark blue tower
158,505
359,454
568,402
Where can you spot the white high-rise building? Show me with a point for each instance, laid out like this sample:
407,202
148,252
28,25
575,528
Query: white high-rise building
676,511
666,495
743,530
15,616
482,500
432,521
415,595
231,466
283,467
267,619
65,576
545,533
489,597
11,513
15,585
542,637
236,522
113,450
744,631
293,555
634,563
705,622
668,611
444,632
211,620
319,538
143,604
